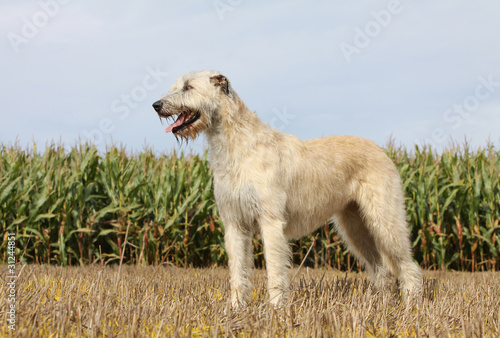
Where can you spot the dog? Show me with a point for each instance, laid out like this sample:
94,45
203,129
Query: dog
271,182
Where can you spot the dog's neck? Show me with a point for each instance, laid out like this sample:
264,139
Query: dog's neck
235,124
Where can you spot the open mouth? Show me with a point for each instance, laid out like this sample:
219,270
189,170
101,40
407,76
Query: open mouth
184,120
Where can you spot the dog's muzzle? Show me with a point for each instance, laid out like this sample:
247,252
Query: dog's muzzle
157,106
184,117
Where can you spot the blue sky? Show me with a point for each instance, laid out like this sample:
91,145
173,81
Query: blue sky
420,71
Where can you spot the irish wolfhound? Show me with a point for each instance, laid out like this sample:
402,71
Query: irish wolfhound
272,182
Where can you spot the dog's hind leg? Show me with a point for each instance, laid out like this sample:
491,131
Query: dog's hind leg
361,243
385,219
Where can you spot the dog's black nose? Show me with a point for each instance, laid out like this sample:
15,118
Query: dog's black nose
157,106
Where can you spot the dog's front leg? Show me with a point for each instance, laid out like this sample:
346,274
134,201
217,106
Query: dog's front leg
277,254
238,244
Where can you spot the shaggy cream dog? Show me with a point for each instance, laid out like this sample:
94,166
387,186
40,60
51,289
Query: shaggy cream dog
274,183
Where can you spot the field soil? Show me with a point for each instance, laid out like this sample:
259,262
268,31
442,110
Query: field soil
150,301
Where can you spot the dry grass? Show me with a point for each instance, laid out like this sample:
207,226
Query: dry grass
163,301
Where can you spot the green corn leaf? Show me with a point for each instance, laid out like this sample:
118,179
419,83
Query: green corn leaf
44,216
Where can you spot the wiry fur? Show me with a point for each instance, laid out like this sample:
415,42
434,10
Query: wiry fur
272,182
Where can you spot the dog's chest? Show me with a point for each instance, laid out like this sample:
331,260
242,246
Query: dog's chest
238,200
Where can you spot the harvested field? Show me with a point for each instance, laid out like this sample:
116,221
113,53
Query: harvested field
164,301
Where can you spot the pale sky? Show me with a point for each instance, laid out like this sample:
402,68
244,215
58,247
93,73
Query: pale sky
422,71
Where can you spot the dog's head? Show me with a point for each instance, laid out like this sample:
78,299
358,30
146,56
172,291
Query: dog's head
193,103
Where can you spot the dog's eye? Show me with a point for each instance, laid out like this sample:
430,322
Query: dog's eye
186,88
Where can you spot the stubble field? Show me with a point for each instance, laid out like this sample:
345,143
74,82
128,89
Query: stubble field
151,301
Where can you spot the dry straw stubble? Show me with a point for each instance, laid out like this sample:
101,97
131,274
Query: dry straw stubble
160,301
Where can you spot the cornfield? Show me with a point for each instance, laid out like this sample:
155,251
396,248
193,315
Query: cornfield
78,207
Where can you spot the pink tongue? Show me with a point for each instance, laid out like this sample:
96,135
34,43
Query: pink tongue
177,123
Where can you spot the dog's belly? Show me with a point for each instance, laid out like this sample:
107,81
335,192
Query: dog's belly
304,219
314,202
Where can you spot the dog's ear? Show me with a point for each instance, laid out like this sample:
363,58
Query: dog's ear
222,82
